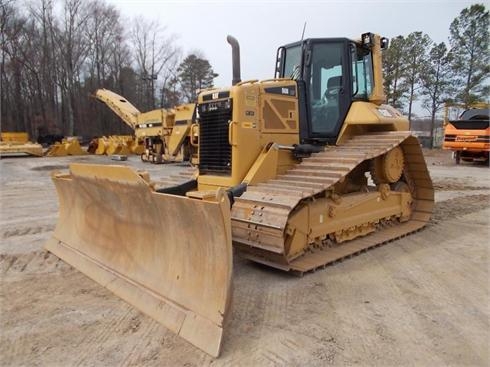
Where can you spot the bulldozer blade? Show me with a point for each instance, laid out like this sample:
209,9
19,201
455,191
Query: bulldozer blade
169,256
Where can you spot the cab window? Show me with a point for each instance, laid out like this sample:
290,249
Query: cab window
325,87
292,62
362,70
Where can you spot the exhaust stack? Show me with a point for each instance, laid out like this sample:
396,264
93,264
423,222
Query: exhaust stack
235,54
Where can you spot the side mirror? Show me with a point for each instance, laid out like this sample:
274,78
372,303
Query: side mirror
384,42
367,40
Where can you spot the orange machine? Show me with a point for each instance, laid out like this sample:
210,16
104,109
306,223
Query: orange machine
469,135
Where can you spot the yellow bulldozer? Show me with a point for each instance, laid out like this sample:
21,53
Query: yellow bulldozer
294,172
169,135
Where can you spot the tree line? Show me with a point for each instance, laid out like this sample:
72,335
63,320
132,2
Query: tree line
415,67
55,54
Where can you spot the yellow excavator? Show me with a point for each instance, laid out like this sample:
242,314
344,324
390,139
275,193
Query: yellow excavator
170,135
295,172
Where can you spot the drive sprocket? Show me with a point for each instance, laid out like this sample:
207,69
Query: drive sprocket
388,168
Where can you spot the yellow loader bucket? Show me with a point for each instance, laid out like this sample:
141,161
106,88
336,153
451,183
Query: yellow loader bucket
73,147
66,147
57,150
169,256
102,146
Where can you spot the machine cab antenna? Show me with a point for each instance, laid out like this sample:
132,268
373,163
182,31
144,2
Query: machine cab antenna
303,34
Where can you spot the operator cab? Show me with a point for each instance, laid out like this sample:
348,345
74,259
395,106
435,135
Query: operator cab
331,73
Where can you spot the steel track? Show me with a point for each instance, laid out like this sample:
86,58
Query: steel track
260,215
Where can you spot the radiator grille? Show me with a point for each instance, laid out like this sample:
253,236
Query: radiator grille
467,138
214,148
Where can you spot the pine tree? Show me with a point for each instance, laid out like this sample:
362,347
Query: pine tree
415,46
469,40
195,73
394,72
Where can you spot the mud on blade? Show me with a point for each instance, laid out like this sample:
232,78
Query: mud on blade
169,256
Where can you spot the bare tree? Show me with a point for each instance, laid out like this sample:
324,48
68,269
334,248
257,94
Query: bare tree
153,50
13,83
170,96
43,24
7,21
55,53
72,47
437,82
120,60
416,47
103,30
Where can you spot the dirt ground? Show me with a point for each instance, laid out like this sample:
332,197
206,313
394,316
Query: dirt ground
422,300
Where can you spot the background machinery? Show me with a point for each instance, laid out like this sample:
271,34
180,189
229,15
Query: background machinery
67,146
15,143
169,135
467,134
116,145
297,172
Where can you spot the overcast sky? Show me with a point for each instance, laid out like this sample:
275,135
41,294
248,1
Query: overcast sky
262,26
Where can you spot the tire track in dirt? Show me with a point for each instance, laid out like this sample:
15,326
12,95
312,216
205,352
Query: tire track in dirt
13,265
26,230
139,350
94,342
15,349
275,317
154,339
277,335
427,282
362,312
456,207
26,235
453,184
246,313
44,311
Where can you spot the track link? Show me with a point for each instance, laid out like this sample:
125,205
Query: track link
260,215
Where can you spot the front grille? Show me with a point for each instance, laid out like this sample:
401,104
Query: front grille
214,148
467,138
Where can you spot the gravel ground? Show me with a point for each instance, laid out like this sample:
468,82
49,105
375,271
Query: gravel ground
421,300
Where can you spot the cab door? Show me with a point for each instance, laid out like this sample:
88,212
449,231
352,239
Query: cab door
327,77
